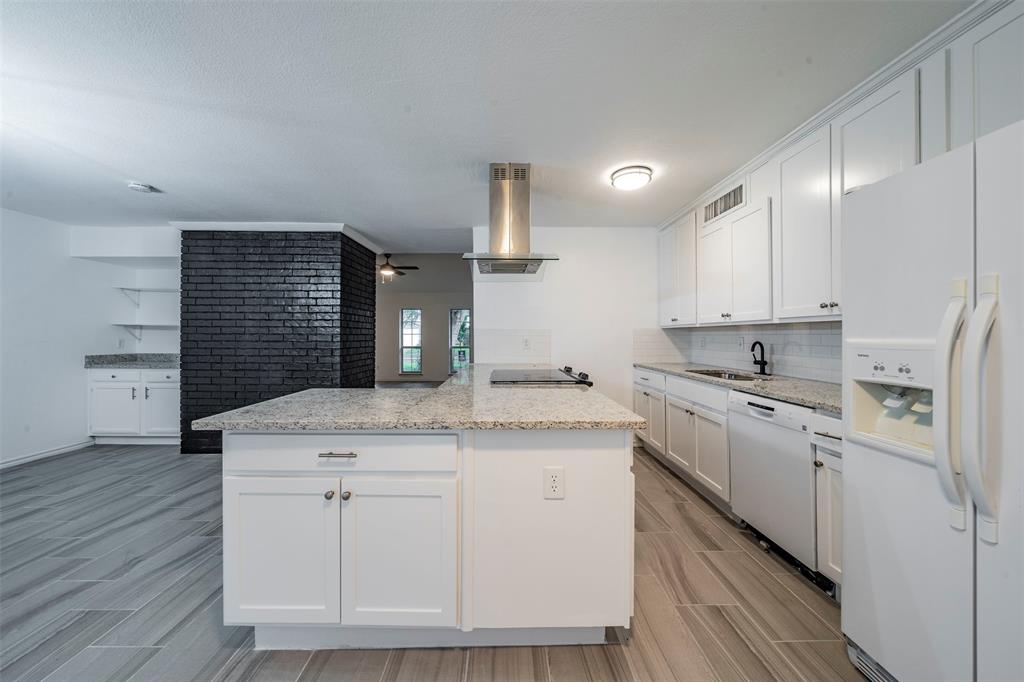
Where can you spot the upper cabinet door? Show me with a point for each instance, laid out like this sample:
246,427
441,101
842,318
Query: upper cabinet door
282,550
714,295
668,277
686,238
399,548
803,234
987,76
875,138
752,264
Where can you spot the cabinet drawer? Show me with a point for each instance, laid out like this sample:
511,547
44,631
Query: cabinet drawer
114,375
715,397
161,376
645,377
339,453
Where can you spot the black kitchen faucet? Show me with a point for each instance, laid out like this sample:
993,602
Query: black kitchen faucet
762,363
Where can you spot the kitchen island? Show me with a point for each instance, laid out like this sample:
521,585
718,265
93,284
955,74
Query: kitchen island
467,515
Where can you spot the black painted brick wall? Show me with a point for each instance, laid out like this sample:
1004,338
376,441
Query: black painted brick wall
264,314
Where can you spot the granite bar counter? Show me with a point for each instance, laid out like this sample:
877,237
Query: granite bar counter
463,515
819,395
133,361
467,401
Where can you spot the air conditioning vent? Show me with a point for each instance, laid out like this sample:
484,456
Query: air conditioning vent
724,203
499,171
520,172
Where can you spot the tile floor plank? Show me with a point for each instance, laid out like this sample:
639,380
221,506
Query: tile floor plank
589,663
345,666
647,519
680,571
53,645
774,608
425,665
754,657
21,616
820,661
94,664
695,528
508,664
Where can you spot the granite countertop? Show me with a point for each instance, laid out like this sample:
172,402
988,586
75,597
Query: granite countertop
465,401
134,361
820,395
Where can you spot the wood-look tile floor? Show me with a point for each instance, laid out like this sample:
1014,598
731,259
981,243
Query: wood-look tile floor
110,569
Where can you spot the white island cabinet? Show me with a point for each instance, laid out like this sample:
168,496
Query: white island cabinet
461,516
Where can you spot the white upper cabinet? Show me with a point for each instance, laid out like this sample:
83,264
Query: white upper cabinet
802,235
714,292
677,273
987,76
873,139
752,263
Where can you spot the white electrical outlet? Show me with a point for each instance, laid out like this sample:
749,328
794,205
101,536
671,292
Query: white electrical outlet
743,342
554,483
702,342
526,343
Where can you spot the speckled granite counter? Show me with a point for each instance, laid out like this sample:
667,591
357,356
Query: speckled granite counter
134,361
820,395
466,401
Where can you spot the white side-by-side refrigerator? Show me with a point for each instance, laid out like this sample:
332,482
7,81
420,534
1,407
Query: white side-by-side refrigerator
933,417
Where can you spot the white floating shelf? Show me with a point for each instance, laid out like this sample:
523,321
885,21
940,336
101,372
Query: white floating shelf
138,291
135,328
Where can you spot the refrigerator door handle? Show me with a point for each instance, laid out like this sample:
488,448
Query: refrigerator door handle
974,351
947,453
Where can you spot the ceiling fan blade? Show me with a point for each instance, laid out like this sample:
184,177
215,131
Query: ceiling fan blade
399,272
407,267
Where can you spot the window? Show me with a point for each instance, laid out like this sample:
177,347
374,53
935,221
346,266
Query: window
412,349
458,338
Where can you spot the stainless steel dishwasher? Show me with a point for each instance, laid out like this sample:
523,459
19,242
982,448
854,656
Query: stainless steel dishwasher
772,472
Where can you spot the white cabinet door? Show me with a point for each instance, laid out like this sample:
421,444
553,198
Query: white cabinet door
803,233
681,433
668,277
752,264
714,294
114,409
399,552
686,238
987,76
829,496
656,431
713,452
160,405
875,138
282,550
642,406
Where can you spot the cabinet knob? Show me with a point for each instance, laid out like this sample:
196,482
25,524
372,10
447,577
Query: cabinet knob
833,304
675,319
346,495
133,393
329,495
823,305
818,464
147,392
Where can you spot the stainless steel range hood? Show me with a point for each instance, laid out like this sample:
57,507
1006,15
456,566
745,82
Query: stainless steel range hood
509,233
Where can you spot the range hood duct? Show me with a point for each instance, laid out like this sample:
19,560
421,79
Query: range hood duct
509,232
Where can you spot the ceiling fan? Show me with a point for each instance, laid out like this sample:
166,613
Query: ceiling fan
387,270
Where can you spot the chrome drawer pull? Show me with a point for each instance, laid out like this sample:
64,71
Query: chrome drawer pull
827,435
338,455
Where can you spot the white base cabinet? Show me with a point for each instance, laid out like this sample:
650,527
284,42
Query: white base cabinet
697,437
712,461
129,403
282,545
399,550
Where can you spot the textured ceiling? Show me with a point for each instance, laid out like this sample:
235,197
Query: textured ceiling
385,115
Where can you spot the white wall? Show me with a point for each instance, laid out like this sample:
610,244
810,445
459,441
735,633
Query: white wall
54,310
584,311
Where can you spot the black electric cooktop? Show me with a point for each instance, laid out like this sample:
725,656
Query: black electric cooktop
555,377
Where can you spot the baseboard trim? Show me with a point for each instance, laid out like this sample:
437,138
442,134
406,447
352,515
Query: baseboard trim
337,637
43,454
138,440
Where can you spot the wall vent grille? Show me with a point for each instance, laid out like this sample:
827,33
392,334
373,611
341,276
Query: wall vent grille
724,203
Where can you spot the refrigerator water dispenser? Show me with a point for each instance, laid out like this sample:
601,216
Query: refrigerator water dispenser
892,396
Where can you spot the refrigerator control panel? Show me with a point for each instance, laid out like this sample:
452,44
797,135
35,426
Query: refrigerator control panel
898,366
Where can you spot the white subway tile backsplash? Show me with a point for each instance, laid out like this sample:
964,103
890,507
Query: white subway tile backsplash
809,350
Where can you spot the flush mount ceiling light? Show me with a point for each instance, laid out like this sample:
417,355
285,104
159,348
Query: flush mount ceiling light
143,187
631,177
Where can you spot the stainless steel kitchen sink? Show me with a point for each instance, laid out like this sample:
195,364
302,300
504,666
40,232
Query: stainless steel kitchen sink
723,374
